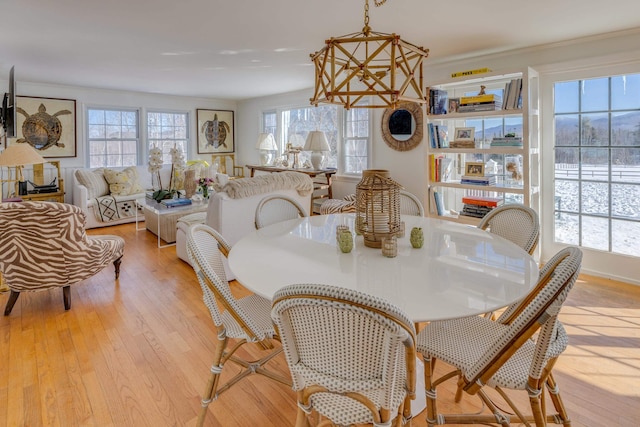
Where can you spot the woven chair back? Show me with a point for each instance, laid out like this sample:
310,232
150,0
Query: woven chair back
516,223
273,209
206,258
410,205
339,341
537,311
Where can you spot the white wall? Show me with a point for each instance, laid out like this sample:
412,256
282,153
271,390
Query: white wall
87,97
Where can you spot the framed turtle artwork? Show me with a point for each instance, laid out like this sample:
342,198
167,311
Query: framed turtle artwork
46,124
215,131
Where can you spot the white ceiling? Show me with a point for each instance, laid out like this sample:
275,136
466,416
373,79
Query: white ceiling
238,49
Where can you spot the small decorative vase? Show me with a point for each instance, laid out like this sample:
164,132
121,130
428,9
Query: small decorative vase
345,241
417,237
340,229
390,246
205,191
190,183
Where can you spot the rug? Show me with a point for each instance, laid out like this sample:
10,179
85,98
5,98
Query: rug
110,209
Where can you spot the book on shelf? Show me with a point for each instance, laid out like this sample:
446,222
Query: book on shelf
438,136
173,203
439,203
513,95
438,101
485,106
479,99
475,211
507,141
491,202
478,180
439,168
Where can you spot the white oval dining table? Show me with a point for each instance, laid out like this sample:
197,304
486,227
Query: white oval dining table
460,270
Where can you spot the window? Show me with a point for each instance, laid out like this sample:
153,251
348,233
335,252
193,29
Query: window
168,130
597,163
113,137
347,133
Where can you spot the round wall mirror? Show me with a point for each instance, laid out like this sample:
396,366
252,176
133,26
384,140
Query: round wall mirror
402,128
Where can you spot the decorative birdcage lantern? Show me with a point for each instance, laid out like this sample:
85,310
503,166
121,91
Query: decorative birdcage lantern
377,207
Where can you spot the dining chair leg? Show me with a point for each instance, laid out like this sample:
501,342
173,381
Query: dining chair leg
214,378
13,297
430,390
554,394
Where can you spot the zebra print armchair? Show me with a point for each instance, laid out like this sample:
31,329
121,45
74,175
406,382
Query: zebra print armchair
44,245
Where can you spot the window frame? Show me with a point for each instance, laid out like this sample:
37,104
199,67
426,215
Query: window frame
138,138
166,155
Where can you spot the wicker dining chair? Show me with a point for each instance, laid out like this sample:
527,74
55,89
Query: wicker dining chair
351,355
44,245
245,320
274,209
515,222
505,354
410,205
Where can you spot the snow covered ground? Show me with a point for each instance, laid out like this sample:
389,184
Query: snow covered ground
623,231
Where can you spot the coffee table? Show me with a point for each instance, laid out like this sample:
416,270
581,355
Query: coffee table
161,220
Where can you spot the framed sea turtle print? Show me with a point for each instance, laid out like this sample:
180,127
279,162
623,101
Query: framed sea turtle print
46,124
215,131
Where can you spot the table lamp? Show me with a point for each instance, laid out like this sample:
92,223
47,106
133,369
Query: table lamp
266,144
19,155
317,143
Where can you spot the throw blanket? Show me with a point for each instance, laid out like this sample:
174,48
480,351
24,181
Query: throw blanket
109,209
246,187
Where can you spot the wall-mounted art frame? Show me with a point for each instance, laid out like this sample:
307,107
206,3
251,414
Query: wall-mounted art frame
47,124
216,131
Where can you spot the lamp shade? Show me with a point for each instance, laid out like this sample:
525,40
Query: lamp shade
20,155
266,141
316,141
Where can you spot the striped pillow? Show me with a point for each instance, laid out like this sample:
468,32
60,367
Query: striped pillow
94,180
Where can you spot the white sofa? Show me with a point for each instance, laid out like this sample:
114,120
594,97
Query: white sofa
233,214
89,184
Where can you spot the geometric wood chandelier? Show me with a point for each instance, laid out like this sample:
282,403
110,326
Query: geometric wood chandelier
368,64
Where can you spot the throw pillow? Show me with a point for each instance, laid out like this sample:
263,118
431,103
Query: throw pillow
123,183
94,180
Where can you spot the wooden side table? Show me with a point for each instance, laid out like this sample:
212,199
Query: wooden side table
321,180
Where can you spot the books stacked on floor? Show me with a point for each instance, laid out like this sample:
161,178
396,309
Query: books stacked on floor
513,95
486,102
478,180
478,207
438,136
438,100
174,203
507,141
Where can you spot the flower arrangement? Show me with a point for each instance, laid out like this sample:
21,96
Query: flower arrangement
203,186
155,164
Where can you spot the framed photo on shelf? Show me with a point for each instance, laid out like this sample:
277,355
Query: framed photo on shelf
474,169
465,134
215,131
46,124
454,103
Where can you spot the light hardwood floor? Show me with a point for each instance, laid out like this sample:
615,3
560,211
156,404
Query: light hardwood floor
137,352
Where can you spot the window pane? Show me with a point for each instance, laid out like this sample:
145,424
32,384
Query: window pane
567,130
566,230
624,92
595,95
625,236
595,129
567,160
105,132
625,129
626,203
625,164
595,199
566,97
595,233
566,198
